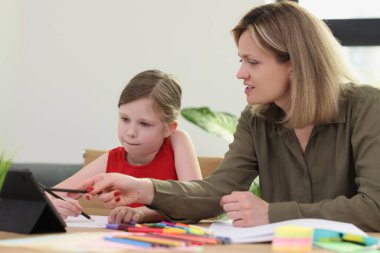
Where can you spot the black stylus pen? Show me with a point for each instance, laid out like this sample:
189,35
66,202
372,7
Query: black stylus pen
48,190
64,190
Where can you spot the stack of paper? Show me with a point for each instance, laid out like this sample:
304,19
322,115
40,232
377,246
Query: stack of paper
81,222
265,233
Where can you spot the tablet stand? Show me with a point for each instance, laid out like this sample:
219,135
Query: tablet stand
24,207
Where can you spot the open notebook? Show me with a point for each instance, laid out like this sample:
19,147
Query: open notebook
265,233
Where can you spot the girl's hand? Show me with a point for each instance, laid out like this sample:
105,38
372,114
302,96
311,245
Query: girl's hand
245,209
67,207
125,214
116,189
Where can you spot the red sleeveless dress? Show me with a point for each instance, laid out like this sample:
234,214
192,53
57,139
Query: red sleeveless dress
161,167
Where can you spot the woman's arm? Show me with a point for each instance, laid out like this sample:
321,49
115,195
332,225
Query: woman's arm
198,199
116,189
187,168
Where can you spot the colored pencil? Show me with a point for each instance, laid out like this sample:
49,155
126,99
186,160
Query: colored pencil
188,228
153,240
131,228
195,239
128,241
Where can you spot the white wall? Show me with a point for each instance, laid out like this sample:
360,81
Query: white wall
64,63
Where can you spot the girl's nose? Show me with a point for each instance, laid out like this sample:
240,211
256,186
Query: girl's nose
131,133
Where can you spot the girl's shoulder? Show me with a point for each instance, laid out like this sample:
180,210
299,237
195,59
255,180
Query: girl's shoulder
179,133
179,136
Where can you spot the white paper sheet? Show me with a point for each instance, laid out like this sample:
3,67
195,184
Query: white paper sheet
265,233
82,222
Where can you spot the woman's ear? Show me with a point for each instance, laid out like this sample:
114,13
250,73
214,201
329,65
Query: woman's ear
290,71
170,128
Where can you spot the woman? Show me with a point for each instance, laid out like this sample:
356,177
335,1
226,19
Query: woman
309,131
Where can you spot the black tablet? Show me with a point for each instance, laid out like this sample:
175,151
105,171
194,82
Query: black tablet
24,207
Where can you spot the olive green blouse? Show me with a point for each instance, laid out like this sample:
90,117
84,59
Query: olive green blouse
338,177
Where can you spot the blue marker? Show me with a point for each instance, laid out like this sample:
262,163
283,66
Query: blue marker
128,241
364,240
322,235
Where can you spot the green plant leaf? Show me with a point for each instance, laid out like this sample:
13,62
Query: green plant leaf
5,165
222,124
255,187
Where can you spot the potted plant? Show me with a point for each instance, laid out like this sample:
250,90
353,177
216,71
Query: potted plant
5,165
222,124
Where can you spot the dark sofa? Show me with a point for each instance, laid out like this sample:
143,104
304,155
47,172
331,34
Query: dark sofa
49,174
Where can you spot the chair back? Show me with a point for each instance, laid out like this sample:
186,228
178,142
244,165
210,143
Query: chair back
207,163
90,155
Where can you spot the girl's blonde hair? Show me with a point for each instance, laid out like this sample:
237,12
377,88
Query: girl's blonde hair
162,88
319,74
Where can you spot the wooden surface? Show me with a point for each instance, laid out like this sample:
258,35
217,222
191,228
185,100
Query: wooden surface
235,248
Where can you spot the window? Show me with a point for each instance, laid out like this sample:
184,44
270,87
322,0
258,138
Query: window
355,24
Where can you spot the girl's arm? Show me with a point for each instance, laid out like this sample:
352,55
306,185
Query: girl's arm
96,167
186,161
71,207
125,214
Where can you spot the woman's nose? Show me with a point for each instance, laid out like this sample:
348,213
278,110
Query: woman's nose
242,73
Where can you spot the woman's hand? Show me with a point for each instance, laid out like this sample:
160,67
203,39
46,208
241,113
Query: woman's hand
115,189
245,209
67,207
125,214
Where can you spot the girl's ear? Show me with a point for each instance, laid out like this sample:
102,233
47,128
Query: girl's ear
170,128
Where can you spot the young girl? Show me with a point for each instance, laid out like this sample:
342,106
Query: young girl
152,146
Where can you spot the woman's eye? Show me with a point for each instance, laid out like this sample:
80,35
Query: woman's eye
253,62
144,124
124,119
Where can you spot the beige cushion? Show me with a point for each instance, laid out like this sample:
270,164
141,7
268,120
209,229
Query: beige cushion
207,164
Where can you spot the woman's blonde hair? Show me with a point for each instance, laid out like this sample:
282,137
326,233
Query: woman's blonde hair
164,90
319,74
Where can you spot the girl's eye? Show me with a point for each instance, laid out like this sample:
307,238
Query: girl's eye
124,119
253,62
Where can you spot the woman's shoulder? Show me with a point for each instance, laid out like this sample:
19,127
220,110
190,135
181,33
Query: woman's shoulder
363,94
363,100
